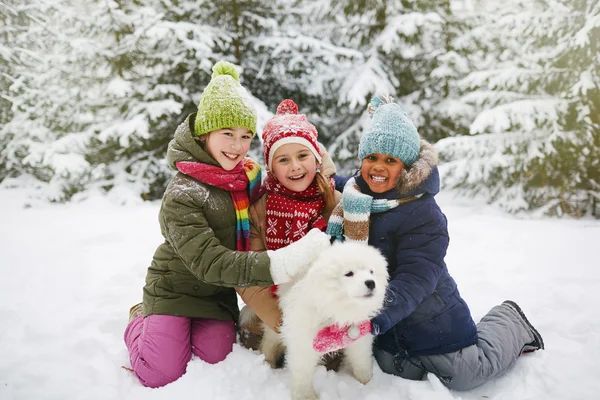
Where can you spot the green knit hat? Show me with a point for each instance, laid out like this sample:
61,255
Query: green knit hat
225,103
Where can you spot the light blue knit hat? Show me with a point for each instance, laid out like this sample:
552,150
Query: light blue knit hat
391,132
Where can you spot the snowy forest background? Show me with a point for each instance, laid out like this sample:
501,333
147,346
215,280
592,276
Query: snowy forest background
91,90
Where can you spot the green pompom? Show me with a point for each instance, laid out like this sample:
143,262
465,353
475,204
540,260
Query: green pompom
225,68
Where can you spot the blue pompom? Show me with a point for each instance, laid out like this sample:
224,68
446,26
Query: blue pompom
376,102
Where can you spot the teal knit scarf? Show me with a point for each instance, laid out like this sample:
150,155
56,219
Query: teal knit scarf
350,219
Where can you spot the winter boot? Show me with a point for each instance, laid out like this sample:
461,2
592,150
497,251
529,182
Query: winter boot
250,329
136,311
538,342
333,361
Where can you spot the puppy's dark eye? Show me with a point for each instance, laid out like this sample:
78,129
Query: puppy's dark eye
371,272
349,274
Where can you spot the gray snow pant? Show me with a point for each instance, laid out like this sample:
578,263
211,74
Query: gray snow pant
502,335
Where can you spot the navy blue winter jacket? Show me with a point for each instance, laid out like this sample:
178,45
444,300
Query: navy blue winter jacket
423,313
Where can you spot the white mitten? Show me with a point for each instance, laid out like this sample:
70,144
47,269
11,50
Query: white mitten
295,258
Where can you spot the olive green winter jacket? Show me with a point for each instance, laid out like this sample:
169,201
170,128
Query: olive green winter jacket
194,271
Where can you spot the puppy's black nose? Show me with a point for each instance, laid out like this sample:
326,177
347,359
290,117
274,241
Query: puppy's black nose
370,284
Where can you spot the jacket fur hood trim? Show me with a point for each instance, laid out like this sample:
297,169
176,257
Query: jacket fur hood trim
411,178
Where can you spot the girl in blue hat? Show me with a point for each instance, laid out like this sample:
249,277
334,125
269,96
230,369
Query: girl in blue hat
425,325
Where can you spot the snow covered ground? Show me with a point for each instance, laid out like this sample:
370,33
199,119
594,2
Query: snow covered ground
69,274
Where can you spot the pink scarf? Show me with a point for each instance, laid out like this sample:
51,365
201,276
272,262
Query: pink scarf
242,182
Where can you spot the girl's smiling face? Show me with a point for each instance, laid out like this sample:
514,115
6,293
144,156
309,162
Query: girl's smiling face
381,171
228,146
294,166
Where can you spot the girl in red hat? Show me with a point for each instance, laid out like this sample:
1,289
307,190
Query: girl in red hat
298,196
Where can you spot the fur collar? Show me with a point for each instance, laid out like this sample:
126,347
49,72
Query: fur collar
410,179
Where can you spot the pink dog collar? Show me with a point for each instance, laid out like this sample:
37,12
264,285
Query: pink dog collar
334,337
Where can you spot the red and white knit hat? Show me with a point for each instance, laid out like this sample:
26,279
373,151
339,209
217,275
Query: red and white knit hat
287,126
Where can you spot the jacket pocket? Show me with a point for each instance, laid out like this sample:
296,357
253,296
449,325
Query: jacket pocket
431,307
437,296
189,285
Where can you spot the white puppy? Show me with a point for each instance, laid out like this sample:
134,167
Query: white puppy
344,286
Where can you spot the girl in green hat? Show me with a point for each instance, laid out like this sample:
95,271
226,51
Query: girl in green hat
189,304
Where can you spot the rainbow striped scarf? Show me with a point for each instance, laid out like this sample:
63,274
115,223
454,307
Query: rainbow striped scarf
242,182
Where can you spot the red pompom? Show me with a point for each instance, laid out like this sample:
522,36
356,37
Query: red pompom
287,107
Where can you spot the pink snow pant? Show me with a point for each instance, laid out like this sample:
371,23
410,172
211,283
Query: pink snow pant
160,346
